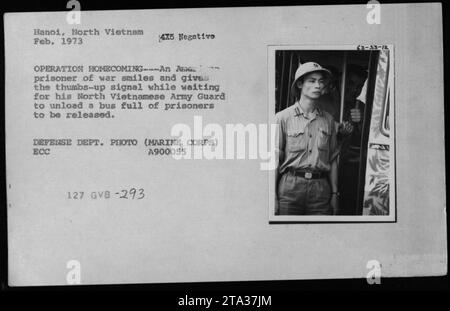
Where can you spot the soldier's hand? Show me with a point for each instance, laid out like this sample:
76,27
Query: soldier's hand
355,113
345,128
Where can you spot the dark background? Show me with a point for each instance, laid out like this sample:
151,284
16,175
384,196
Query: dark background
287,62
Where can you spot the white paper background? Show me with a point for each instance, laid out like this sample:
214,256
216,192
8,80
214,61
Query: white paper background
207,220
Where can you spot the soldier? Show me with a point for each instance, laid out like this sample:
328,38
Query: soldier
306,177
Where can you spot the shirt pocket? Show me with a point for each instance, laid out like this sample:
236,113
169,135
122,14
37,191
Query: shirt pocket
323,139
296,141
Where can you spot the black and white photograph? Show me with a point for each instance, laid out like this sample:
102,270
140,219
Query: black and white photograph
335,140
236,145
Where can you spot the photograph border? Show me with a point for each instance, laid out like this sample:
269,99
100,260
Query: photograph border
291,219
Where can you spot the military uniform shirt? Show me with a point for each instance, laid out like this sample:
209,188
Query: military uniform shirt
305,143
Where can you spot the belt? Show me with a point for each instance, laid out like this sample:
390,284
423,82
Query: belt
308,174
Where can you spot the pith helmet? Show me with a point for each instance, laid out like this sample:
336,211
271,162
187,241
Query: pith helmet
309,67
